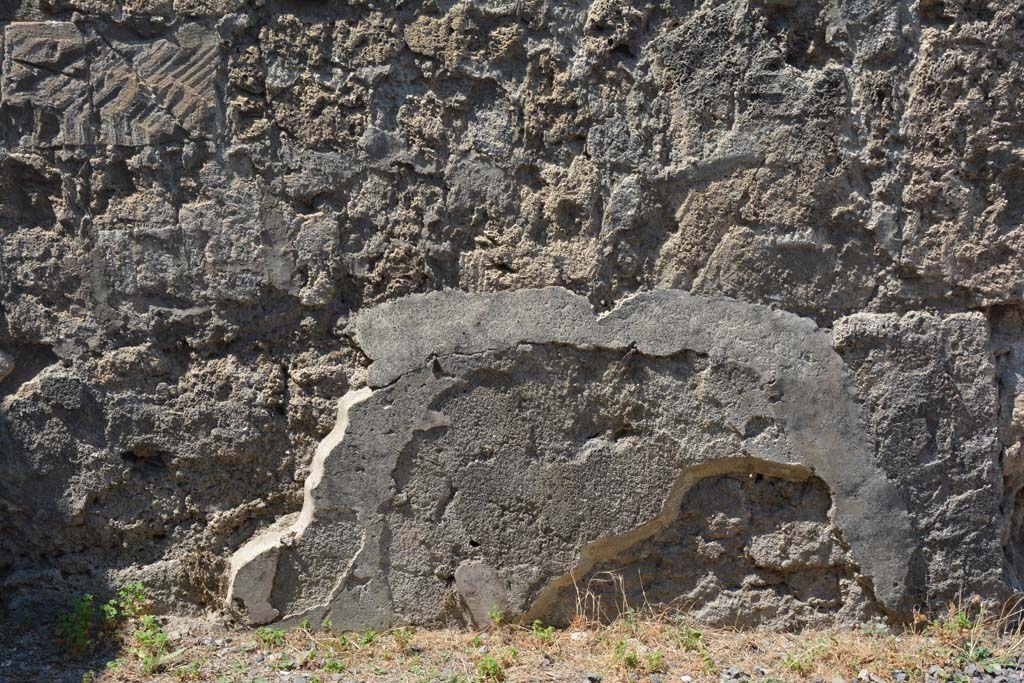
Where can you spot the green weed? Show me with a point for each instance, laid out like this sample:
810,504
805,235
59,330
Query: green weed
334,666
151,645
403,636
625,656
490,669
270,637
76,627
655,661
81,628
544,634
801,662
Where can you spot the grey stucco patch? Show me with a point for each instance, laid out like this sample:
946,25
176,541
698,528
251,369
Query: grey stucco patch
567,429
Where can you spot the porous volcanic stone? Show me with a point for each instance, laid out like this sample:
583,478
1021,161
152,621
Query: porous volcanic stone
218,218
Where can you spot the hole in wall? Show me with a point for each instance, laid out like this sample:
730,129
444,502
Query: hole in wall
745,550
29,360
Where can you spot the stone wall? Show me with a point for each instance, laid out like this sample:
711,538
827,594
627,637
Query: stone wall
200,200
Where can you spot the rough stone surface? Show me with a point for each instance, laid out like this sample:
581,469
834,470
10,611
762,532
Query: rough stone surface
746,550
198,198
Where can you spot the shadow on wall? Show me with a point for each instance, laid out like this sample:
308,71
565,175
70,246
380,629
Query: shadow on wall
27,500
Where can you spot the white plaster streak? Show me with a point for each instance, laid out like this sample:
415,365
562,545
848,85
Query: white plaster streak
330,442
254,565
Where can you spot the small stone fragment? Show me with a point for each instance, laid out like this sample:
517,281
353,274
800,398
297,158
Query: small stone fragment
482,590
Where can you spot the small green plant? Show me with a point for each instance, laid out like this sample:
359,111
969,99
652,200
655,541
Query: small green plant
955,622
132,600
476,641
270,637
545,634
189,672
304,625
80,629
333,666
655,661
150,664
151,645
495,615
490,669
801,662
76,627
285,663
795,661
707,664
403,637
690,639
994,664
150,638
131,603
971,652
874,630
326,626
625,656
421,676
367,638
110,614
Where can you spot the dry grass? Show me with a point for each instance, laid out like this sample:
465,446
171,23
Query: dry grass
632,648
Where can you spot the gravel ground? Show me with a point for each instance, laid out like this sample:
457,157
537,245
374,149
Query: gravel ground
657,651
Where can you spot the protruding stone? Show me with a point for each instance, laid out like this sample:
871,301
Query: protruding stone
6,365
482,590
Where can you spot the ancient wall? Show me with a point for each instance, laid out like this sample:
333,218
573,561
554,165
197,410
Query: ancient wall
217,219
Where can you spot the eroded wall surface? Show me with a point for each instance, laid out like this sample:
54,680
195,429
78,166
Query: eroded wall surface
200,198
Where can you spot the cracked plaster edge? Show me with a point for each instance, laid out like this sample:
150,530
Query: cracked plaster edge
253,567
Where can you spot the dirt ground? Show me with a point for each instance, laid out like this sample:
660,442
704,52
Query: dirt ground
957,646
